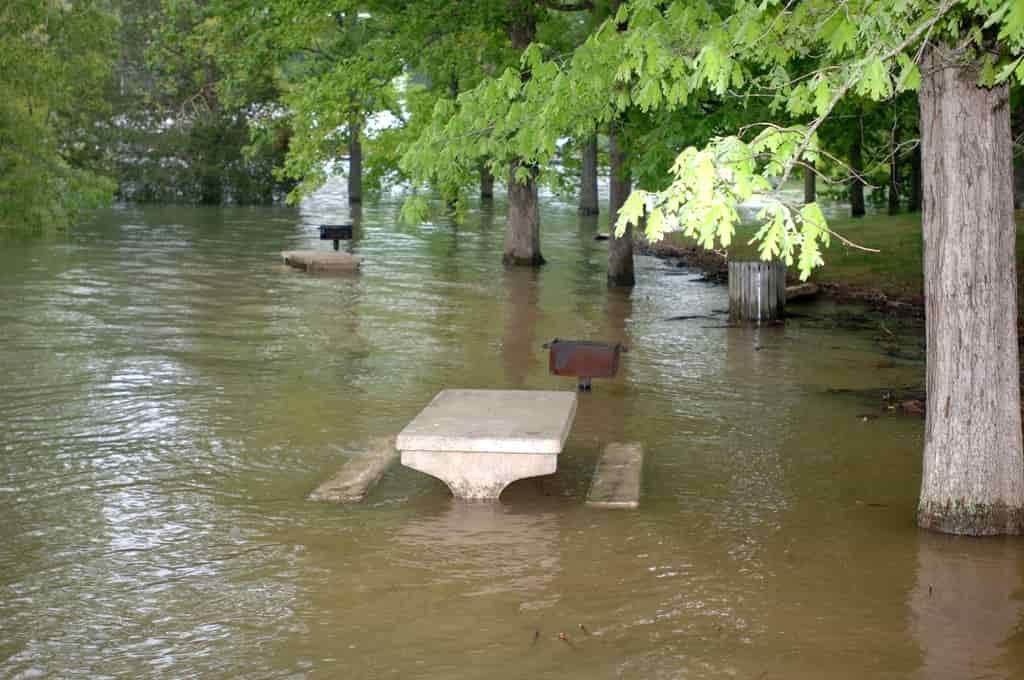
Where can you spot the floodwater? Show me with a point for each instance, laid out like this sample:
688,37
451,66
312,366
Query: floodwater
169,393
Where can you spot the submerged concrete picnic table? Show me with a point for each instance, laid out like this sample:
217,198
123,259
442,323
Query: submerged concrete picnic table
321,260
480,441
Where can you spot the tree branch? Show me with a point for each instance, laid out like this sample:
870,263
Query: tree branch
566,7
924,29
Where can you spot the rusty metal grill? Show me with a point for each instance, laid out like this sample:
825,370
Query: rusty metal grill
583,359
335,232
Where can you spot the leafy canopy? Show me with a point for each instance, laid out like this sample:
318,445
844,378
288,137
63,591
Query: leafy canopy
802,58
54,59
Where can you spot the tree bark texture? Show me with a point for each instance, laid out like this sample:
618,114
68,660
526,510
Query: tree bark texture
973,473
1018,183
522,228
355,166
810,183
486,182
588,178
1017,129
620,250
522,231
914,199
857,166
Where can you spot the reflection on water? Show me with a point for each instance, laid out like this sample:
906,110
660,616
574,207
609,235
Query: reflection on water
967,607
484,546
169,394
519,344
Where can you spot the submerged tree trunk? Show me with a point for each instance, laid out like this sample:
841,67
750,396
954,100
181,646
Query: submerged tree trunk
857,167
914,199
588,178
810,183
486,183
620,250
522,229
211,188
973,473
355,166
522,232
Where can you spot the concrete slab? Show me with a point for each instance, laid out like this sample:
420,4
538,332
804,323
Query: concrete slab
321,260
474,475
358,474
616,481
492,421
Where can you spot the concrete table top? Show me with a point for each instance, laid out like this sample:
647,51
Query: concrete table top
492,421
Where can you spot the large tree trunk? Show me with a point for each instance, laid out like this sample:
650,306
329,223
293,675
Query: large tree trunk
588,178
810,183
620,250
914,199
486,183
973,473
857,166
522,229
355,166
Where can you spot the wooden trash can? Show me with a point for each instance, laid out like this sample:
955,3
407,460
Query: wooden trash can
757,291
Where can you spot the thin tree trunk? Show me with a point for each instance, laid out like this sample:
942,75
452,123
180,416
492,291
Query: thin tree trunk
588,178
522,229
620,250
914,199
355,166
810,183
973,473
486,183
894,172
857,166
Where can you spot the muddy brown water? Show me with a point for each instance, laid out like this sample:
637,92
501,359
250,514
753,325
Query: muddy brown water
169,394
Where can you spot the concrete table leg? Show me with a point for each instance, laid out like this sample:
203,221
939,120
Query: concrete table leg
480,476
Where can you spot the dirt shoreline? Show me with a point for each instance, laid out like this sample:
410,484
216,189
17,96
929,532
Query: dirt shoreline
715,269
905,343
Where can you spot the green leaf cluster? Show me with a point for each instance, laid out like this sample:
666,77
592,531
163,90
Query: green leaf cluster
54,60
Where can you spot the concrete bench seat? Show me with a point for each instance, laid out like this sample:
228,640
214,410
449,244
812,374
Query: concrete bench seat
480,441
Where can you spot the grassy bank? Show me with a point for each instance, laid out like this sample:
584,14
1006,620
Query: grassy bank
896,271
